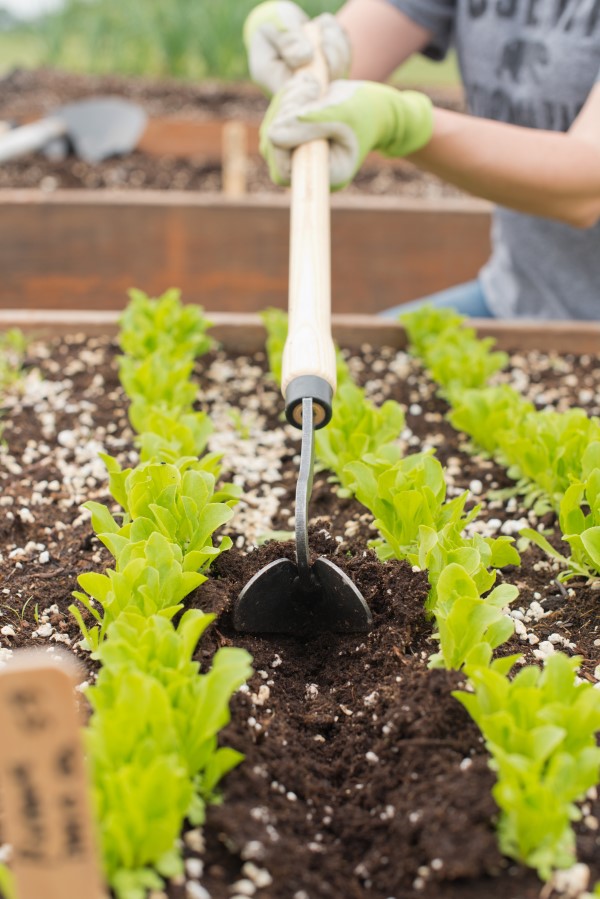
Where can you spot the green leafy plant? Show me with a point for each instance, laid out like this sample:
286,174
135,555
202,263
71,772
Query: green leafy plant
13,347
8,886
403,496
179,504
357,428
457,359
153,741
151,577
546,449
163,325
550,455
427,324
160,380
142,791
200,701
470,626
540,729
169,434
486,414
416,523
580,528
478,556
276,326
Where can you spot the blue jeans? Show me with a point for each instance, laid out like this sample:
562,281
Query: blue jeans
468,299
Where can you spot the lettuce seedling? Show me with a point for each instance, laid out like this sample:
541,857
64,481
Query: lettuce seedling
487,413
470,626
540,729
427,324
117,476
547,448
169,432
151,577
163,324
141,788
357,428
478,555
580,530
181,505
276,326
175,715
200,701
159,380
457,359
8,886
417,524
13,349
402,497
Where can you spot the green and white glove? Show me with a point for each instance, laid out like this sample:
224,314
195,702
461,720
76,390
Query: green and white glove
277,45
354,116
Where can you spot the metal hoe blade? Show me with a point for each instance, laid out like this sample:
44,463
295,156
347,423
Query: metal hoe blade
103,127
288,598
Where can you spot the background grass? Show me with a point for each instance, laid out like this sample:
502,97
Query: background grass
190,39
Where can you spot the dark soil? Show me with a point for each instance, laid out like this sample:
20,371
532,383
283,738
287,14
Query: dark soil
364,778
25,94
30,92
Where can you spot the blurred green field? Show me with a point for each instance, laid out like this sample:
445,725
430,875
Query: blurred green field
191,39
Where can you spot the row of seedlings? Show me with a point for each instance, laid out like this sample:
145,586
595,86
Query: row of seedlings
152,736
407,497
554,457
540,725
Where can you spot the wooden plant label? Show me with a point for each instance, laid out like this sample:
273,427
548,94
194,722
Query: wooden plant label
44,789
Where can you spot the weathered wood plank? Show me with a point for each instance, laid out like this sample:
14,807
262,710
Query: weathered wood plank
203,139
244,333
191,138
84,249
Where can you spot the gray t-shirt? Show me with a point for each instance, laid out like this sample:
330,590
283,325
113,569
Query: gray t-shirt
530,63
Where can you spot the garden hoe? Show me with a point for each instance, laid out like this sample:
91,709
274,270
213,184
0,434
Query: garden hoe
96,129
301,598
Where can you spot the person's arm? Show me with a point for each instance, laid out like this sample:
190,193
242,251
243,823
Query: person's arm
381,36
541,173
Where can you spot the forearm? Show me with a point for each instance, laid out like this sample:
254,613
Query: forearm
537,172
381,36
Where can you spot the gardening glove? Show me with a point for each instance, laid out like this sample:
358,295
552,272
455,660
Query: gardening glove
354,116
277,45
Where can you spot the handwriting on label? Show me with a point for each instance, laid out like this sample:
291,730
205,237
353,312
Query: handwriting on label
43,781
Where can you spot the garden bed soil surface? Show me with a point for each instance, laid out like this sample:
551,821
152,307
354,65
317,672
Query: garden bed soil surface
26,93
363,777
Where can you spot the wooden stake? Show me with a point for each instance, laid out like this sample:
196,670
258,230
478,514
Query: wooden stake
43,781
235,156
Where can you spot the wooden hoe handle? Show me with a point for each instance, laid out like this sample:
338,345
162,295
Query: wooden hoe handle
309,367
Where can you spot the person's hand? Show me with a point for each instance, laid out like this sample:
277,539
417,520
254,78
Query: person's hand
354,116
277,45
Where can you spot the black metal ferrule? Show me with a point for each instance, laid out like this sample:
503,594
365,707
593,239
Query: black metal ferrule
309,386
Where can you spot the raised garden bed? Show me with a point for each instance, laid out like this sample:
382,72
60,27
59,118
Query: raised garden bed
182,147
363,777
161,218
